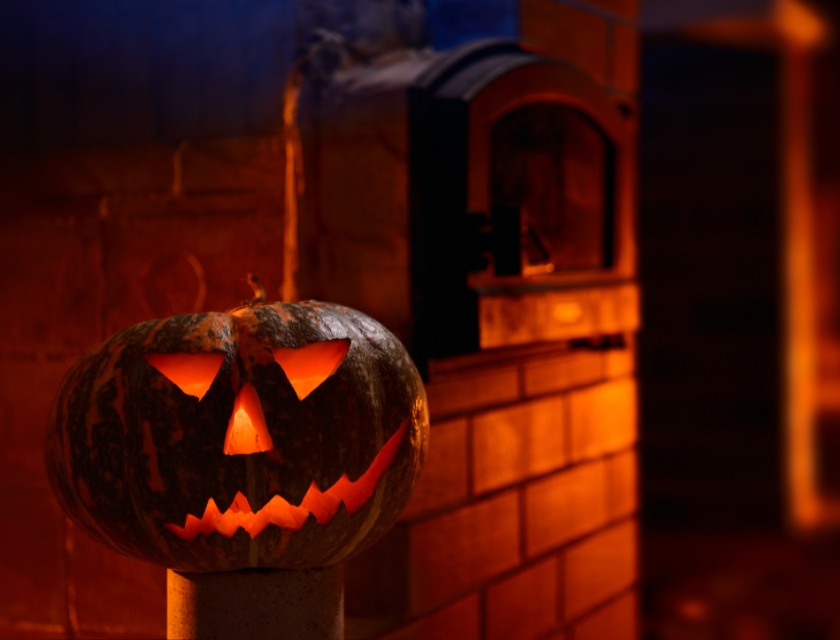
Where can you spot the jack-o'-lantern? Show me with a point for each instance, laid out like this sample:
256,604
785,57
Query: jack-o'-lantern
272,435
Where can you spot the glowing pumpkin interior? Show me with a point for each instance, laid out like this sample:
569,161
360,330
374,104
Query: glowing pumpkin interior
279,512
192,373
308,366
246,431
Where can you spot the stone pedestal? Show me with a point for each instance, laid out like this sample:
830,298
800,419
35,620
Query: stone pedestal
257,604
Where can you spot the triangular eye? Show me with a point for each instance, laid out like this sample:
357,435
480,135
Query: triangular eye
192,373
308,366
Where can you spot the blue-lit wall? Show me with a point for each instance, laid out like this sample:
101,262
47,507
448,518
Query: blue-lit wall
91,72
453,22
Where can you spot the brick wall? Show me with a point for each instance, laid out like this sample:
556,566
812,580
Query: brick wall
523,525
92,241
597,36
115,210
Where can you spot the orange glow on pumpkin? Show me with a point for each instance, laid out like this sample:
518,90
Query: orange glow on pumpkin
192,373
308,366
280,513
246,431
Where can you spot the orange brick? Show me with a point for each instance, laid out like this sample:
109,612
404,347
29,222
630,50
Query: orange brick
95,170
603,418
352,153
55,286
625,8
112,635
460,620
444,477
370,274
32,589
452,553
357,252
27,391
204,206
233,164
524,606
575,36
518,442
599,568
565,506
460,393
623,484
625,58
620,362
563,373
136,591
32,632
616,621
159,263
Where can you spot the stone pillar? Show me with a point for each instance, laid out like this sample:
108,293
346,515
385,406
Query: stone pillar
257,604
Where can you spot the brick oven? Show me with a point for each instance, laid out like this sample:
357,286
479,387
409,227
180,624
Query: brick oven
481,201
411,180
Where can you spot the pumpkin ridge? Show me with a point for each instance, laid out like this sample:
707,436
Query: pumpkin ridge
85,521
141,523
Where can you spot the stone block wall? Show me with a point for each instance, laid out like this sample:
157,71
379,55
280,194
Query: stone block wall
524,525
106,238
524,522
142,165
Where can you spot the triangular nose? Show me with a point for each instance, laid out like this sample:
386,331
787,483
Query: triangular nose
246,431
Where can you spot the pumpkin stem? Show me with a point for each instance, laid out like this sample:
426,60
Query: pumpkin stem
257,286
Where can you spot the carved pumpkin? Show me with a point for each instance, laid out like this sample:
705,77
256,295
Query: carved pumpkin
273,435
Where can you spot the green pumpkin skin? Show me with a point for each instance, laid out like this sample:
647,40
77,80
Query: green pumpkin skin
128,452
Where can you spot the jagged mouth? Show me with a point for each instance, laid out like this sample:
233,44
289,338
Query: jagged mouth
323,505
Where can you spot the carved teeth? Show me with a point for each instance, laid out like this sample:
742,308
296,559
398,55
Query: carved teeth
279,512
